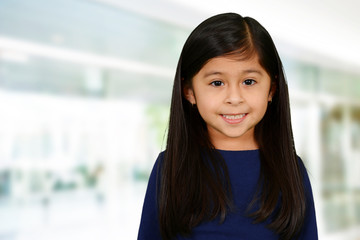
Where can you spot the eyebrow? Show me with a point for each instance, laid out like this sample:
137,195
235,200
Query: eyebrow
253,71
212,73
220,73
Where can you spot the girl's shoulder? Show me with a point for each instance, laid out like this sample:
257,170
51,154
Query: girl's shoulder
156,167
159,159
305,175
302,166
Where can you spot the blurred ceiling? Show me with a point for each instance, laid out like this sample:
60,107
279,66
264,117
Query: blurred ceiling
324,32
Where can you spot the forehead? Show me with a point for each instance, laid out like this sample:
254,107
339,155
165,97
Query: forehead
224,64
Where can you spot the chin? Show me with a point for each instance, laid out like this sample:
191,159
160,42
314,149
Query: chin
232,135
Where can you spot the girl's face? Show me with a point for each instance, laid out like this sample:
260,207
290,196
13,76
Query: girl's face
232,97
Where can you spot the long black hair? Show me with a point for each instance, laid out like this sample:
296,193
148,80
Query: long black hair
194,189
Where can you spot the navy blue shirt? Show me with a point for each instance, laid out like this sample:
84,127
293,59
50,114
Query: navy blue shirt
244,170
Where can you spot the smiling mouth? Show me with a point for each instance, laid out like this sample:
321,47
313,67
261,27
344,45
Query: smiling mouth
233,116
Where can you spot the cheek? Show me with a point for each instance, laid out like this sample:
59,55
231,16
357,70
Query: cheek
206,99
260,105
207,106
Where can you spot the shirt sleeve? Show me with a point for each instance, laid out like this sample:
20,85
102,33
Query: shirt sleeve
309,230
149,224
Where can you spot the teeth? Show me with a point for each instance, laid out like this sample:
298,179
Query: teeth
234,116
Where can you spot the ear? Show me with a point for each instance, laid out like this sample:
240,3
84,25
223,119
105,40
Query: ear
189,95
272,91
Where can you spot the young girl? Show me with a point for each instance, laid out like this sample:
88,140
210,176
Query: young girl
230,169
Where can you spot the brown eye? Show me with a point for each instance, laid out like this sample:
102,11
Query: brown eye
249,82
217,83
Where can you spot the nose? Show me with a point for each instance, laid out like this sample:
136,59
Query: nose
234,95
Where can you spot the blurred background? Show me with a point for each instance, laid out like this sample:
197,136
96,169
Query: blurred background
85,88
